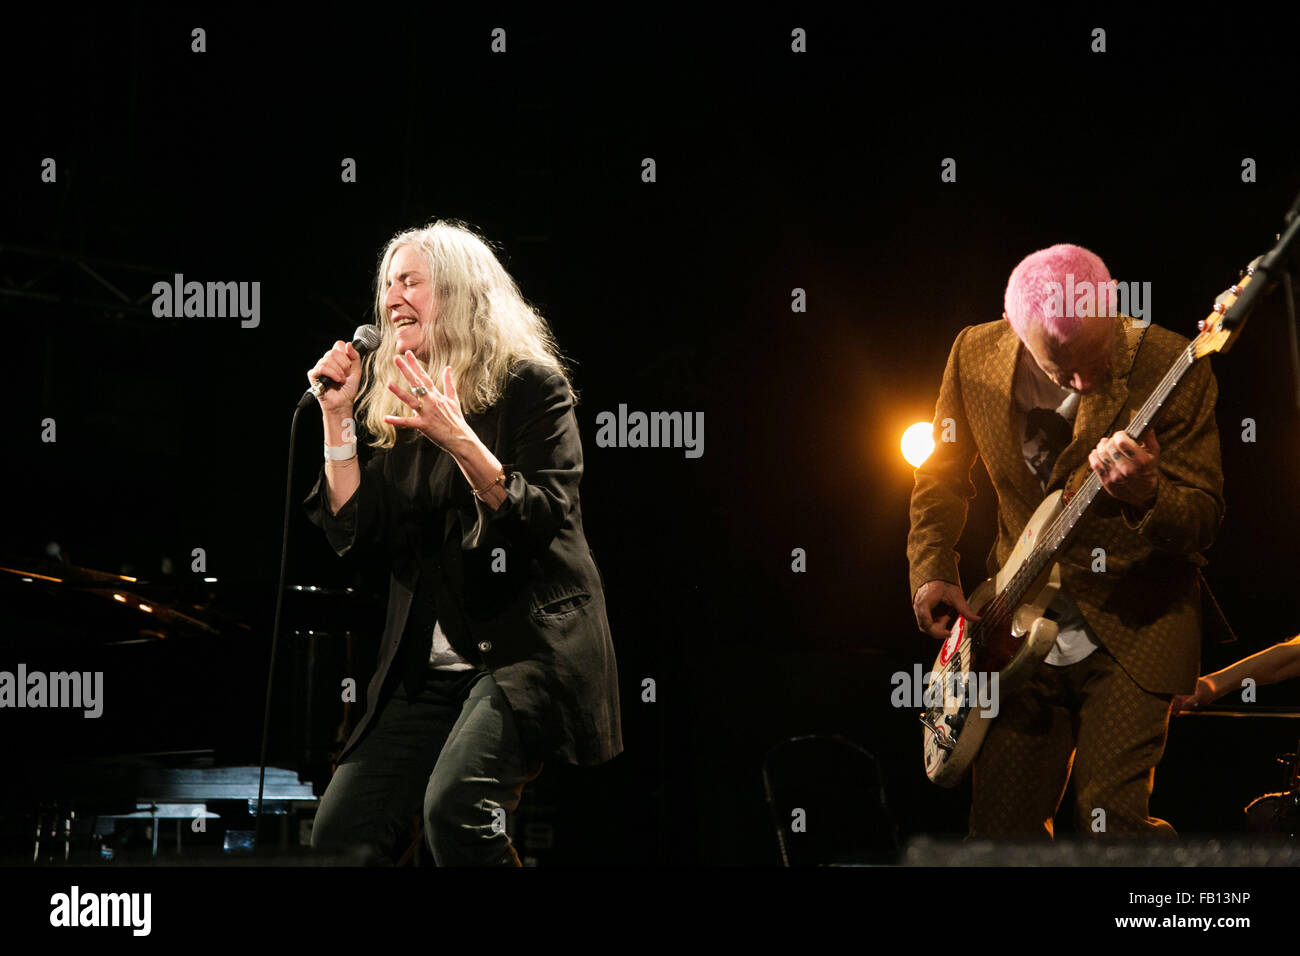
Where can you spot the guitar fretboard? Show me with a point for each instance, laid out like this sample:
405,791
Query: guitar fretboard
1058,533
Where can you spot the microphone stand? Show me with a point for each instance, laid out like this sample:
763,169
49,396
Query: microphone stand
1266,271
279,606
365,339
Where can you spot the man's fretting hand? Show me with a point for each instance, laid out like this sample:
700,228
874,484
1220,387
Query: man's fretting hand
1128,469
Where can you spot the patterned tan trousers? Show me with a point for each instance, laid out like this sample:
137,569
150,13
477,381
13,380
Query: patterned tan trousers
1088,717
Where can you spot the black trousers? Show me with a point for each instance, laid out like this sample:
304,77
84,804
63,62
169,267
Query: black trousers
452,748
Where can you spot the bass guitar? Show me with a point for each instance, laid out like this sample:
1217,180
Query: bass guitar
1013,634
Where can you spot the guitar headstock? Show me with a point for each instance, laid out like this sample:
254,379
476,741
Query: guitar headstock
1215,337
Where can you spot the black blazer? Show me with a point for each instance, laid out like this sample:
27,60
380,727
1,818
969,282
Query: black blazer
516,589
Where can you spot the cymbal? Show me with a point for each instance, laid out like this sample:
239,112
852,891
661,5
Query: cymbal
1287,713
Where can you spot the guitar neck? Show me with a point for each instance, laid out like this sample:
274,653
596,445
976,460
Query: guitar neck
1055,537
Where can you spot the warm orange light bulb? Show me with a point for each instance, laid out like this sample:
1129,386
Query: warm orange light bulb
917,443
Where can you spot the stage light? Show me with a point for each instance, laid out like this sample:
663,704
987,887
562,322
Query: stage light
28,575
917,443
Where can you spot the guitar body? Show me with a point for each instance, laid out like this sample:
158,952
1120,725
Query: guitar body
1007,642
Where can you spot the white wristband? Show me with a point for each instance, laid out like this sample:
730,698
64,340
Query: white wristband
341,452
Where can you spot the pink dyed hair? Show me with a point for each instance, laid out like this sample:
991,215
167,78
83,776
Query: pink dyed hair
1029,293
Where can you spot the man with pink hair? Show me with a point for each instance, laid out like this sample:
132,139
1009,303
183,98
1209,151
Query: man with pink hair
1041,397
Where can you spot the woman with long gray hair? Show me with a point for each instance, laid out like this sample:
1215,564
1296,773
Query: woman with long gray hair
496,653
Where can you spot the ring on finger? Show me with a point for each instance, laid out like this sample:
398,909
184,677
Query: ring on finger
420,391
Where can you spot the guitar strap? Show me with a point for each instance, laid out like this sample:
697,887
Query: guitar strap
1080,474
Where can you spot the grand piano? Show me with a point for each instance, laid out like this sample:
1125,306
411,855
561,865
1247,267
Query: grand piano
169,764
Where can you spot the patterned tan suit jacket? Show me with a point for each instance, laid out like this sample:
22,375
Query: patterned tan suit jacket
1145,608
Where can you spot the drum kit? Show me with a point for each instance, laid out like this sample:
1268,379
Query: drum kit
1274,815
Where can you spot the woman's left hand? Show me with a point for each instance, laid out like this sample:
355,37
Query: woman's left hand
436,415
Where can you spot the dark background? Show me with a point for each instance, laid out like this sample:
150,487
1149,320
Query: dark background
775,171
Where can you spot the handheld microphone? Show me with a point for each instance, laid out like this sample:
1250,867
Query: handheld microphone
364,339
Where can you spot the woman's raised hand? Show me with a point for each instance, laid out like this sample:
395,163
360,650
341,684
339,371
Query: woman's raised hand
436,415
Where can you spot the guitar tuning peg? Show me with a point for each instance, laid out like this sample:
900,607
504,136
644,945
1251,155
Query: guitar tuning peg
1200,324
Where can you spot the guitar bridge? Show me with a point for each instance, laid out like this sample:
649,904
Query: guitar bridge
940,736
